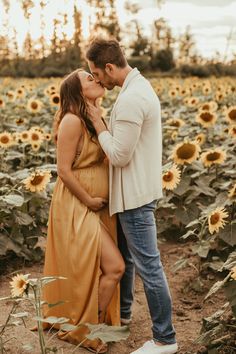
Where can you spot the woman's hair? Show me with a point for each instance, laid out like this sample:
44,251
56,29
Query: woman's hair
73,101
102,51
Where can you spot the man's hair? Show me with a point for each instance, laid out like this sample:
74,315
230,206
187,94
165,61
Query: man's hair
102,52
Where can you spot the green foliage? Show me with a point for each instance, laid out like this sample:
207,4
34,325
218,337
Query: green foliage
163,60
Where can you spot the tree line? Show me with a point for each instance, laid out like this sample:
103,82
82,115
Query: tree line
161,51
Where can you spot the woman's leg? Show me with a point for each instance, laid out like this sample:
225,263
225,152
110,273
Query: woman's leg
113,267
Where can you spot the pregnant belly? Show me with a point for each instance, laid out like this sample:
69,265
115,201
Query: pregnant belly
94,180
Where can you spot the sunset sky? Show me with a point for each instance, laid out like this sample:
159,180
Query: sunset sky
211,20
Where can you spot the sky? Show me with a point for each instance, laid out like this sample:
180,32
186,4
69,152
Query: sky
211,21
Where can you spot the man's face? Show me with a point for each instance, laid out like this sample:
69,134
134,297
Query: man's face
101,76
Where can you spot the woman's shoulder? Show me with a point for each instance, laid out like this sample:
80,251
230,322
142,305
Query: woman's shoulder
71,120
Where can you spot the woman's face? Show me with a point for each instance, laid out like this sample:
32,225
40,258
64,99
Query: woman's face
91,89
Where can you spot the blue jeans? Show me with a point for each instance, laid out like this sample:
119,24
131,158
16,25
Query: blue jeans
137,240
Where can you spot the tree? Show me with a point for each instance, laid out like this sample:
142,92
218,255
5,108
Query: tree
186,46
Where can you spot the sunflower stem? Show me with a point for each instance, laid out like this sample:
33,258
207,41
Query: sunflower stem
8,318
37,293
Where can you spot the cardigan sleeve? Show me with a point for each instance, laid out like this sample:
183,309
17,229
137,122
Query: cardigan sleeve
120,145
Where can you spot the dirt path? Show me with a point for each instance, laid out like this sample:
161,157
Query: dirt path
188,308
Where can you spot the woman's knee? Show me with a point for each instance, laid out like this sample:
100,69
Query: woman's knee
116,272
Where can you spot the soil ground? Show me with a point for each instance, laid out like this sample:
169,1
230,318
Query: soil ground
188,307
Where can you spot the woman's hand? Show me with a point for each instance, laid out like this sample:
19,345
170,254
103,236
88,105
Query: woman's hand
96,203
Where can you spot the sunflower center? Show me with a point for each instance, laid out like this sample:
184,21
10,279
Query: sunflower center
186,151
21,283
4,139
206,107
175,123
34,136
206,116
232,114
168,176
37,180
212,156
214,219
34,105
1,102
25,136
56,99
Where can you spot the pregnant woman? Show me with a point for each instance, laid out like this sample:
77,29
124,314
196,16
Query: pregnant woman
81,241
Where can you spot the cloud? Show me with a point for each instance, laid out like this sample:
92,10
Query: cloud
204,2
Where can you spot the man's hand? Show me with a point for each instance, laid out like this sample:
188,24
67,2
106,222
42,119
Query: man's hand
95,114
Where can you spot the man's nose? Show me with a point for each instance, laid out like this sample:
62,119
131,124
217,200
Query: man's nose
97,81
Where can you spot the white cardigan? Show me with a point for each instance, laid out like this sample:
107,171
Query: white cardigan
134,146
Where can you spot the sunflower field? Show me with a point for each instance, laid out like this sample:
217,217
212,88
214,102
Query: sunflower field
199,169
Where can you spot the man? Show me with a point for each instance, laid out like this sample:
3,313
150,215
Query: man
133,145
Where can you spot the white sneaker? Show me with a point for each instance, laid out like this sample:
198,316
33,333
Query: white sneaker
151,348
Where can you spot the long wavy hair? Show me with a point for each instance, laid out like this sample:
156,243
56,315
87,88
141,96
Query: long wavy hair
73,101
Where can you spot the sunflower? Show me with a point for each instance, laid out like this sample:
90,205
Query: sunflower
209,106
35,146
175,122
47,136
219,96
206,118
37,181
11,95
55,99
35,136
232,192
233,273
34,106
37,129
231,114
25,136
20,92
213,157
232,131
174,135
16,137
2,102
20,121
19,285
171,178
206,90
216,220
192,102
186,152
6,140
173,93
200,138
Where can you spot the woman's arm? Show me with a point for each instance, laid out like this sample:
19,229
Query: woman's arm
69,134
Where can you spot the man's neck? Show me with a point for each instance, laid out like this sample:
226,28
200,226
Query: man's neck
122,75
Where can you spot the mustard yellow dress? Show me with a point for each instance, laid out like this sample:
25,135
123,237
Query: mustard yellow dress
73,247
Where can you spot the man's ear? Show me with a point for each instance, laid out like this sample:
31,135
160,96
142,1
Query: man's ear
109,68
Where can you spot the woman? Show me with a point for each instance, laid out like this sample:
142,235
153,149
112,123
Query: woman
81,242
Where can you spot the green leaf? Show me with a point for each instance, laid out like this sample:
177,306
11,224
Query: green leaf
231,262
202,249
228,234
13,199
23,218
189,233
20,314
217,286
51,319
183,187
67,327
108,333
230,292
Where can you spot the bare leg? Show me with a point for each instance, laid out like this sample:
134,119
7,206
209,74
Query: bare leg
113,267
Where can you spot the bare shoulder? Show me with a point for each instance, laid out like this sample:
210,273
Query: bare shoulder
70,127
71,120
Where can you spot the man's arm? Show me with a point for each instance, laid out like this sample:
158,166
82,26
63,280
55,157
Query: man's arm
120,146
